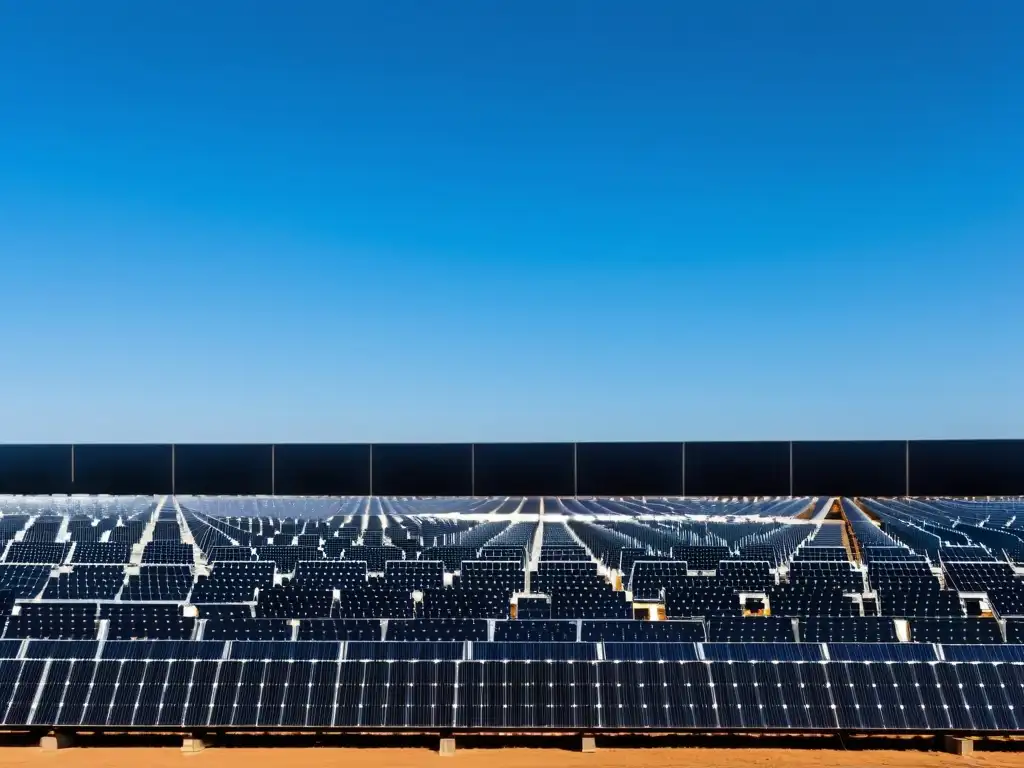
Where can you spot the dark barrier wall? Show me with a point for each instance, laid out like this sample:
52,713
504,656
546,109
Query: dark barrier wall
123,469
423,470
737,469
629,469
862,468
322,470
35,469
524,469
223,469
870,468
966,467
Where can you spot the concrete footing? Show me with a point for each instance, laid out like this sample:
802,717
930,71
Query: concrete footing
957,746
192,745
56,741
589,744
446,747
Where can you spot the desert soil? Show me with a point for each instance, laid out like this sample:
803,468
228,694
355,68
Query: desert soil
314,757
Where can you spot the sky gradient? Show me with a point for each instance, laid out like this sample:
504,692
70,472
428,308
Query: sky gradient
451,221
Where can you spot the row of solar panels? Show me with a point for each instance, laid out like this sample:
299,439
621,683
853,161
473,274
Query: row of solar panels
576,560
312,650
965,576
599,695
79,621
590,597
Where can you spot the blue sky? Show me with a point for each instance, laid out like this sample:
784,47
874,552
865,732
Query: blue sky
446,221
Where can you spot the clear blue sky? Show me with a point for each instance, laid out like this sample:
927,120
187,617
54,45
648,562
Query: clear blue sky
450,220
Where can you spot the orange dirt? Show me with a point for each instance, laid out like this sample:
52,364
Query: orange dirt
327,757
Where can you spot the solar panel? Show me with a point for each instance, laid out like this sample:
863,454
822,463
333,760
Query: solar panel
397,651
859,701
160,650
990,653
61,649
155,693
535,651
73,695
762,651
9,648
650,651
882,652
257,650
19,681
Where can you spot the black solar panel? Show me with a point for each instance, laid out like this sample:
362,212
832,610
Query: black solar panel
522,630
502,651
24,581
61,649
763,652
86,582
400,651
882,652
991,653
285,650
414,574
38,553
847,629
247,629
168,552
101,553
339,629
955,631
754,629
643,631
433,630
162,649
659,652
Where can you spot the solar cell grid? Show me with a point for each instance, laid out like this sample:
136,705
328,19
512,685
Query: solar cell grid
86,582
978,577
47,553
286,558
414,574
375,557
168,552
24,581
247,629
909,600
651,577
954,630
492,575
465,603
847,629
533,607
433,630
756,629
339,629
101,553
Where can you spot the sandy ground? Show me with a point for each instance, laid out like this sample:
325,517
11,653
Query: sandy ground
315,757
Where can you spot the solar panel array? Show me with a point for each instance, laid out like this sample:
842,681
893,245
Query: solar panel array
526,614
